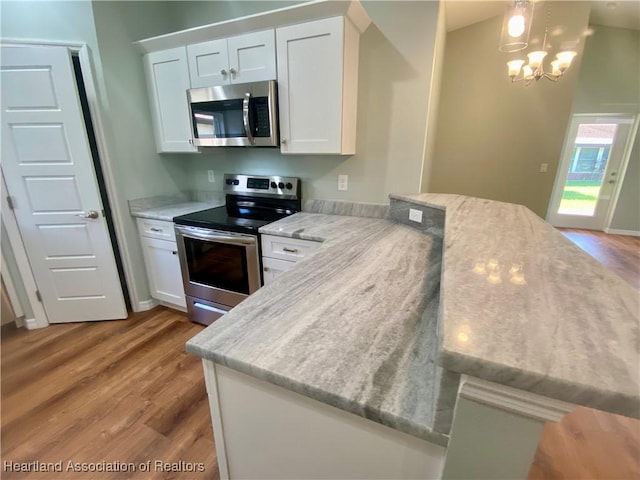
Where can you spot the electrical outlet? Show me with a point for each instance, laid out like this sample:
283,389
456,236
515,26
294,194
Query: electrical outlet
343,183
415,215
212,177
544,167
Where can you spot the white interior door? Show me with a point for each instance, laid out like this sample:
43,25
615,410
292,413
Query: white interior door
589,171
49,173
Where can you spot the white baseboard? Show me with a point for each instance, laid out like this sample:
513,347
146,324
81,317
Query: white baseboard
145,305
616,231
32,324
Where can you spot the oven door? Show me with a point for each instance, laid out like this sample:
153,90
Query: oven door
218,266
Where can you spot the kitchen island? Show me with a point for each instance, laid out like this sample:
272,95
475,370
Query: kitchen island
371,343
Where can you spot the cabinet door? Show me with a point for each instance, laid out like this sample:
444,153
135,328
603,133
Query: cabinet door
163,270
310,72
209,63
168,81
272,267
252,57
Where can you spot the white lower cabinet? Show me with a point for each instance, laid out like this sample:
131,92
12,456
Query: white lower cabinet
161,260
280,254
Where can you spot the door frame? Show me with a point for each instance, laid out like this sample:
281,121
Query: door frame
624,163
40,318
89,77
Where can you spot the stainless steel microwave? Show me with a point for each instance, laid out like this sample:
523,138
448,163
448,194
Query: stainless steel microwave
240,115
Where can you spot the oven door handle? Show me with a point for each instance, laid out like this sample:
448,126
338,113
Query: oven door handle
202,234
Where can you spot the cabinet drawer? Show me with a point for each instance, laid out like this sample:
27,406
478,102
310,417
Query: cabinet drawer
290,249
156,229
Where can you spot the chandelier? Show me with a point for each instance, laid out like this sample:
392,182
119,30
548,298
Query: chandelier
515,37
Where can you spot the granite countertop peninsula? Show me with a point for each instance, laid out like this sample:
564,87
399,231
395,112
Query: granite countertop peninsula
384,317
165,207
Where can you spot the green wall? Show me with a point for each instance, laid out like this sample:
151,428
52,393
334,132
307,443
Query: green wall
610,83
493,135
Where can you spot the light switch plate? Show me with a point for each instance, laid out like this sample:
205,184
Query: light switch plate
211,176
415,215
343,183
544,167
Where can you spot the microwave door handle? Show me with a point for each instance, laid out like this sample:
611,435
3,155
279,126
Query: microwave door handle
245,117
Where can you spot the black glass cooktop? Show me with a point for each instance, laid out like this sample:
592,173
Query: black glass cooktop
219,219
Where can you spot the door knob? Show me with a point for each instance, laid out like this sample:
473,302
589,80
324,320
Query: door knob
90,214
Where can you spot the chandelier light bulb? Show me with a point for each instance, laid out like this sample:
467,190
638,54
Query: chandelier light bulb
527,72
516,25
565,59
555,68
536,58
514,67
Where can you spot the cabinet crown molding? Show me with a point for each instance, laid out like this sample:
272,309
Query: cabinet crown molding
305,12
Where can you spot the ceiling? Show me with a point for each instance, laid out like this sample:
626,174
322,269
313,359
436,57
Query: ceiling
621,13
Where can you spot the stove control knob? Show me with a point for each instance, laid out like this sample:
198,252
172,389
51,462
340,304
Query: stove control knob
229,182
274,185
281,185
236,182
289,186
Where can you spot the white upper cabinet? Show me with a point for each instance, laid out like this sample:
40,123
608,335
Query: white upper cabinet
208,63
240,59
168,81
317,86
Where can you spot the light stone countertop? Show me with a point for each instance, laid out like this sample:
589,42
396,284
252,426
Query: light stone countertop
566,327
354,325
167,212
165,207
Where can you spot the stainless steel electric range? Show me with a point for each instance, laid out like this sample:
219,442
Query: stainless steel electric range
219,248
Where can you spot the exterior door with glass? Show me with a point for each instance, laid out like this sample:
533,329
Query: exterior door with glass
589,171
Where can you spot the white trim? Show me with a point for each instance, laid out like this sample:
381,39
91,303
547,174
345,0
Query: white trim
11,290
109,179
144,305
513,400
294,14
211,382
617,231
24,267
622,171
33,324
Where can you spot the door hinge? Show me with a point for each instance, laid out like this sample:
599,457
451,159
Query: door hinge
11,202
38,296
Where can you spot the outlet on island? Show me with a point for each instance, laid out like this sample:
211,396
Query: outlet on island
343,183
415,215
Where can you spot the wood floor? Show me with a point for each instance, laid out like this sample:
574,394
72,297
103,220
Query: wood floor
126,392
620,253
114,391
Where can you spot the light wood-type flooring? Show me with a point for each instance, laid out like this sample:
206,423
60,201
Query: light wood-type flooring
110,393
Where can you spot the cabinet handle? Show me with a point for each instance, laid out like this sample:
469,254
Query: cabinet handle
283,141
175,252
157,230
191,141
266,269
290,250
223,71
233,71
